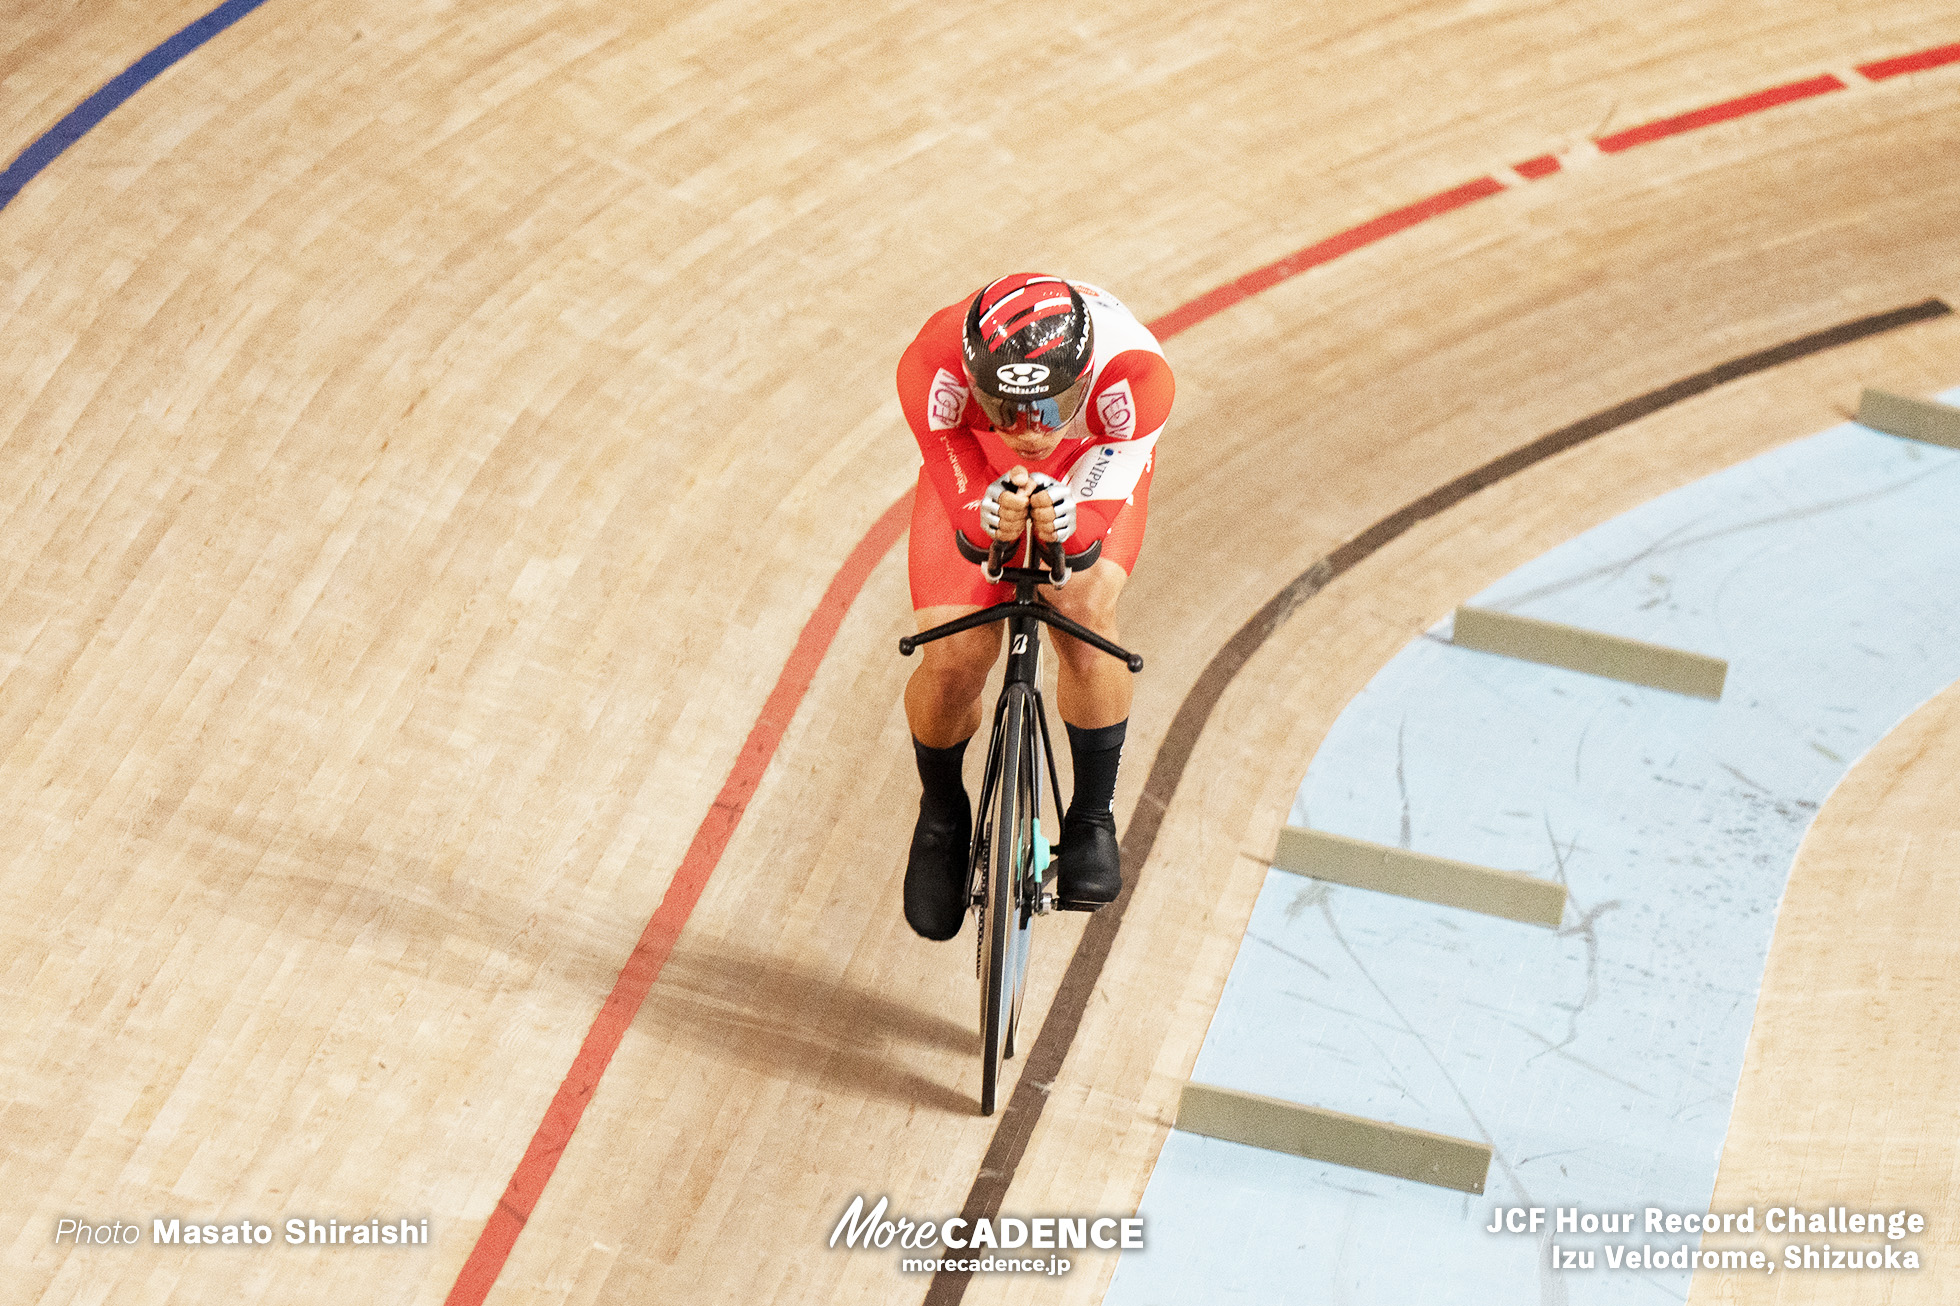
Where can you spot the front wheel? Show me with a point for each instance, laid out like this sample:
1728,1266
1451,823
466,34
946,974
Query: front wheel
1010,821
1029,869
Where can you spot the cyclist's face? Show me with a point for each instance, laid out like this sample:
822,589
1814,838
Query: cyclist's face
1033,445
1032,429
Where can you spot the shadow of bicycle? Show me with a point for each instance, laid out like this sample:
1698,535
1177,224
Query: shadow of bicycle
784,1019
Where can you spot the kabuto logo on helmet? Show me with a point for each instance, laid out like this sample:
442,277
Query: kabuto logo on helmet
1018,378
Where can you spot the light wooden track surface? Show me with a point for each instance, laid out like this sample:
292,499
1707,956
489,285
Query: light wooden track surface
1848,1091
426,429
56,53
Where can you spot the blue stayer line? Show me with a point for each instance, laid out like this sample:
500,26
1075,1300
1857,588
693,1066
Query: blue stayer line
1600,1061
104,102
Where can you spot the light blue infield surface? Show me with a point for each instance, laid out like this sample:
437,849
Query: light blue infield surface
1599,1061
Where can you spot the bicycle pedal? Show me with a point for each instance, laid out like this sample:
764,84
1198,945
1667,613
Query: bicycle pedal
1071,904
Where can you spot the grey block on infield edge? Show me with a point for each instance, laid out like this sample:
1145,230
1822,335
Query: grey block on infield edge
1421,876
1554,644
1915,419
1333,1137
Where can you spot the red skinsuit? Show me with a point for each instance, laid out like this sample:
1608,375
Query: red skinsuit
1106,453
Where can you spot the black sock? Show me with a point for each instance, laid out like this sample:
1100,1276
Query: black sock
939,773
1096,754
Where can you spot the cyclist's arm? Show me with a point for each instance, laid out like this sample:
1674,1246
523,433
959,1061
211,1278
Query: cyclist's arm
1127,412
934,397
1102,480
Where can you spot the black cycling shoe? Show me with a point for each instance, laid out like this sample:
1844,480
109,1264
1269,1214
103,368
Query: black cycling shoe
935,874
1091,869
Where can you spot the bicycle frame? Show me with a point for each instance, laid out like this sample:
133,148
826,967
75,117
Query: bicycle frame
1008,862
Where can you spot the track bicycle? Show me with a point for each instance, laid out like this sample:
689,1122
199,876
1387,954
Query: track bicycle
1009,869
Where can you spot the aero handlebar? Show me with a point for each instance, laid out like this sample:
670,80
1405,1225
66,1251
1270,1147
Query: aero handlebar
1056,563
1024,604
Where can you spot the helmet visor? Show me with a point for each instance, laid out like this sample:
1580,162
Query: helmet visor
1019,416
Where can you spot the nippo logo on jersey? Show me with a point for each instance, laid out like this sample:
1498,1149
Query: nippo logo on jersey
1112,471
1020,378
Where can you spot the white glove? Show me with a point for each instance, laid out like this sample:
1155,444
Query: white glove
1062,496
990,507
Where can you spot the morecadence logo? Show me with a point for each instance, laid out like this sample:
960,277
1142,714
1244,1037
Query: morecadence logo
879,1229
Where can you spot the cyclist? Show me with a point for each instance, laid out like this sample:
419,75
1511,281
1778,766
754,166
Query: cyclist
1038,400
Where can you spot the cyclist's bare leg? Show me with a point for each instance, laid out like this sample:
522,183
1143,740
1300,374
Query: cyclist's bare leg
1094,701
1093,688
942,700
942,705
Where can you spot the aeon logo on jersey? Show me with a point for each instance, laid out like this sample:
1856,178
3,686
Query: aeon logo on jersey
1118,411
945,402
1016,377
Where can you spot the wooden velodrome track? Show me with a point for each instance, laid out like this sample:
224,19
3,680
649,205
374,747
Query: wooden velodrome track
427,429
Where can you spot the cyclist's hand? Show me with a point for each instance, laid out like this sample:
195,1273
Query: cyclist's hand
1004,509
1053,507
